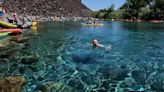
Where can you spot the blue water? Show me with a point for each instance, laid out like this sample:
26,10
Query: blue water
135,63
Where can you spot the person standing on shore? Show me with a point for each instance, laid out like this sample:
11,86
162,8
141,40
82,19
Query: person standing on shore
15,18
2,10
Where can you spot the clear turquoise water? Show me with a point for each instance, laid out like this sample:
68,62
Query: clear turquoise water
134,64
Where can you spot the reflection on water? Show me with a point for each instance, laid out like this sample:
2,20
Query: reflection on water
67,59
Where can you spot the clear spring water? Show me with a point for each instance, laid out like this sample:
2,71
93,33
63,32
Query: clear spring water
135,62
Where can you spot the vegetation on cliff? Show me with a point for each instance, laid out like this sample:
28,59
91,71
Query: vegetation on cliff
135,9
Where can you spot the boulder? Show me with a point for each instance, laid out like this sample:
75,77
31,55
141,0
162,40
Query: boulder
2,45
20,39
30,59
55,87
11,83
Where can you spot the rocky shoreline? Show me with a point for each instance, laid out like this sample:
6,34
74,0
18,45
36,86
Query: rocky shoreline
44,8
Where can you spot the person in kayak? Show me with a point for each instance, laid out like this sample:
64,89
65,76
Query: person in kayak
96,44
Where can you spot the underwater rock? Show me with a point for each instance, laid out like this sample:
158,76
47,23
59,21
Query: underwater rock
84,58
2,45
30,59
25,46
2,60
24,51
20,39
127,83
157,87
126,90
11,84
87,79
22,70
139,76
106,85
112,90
115,74
35,34
7,52
55,87
158,84
33,68
76,84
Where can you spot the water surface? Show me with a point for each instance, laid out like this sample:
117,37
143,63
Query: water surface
135,62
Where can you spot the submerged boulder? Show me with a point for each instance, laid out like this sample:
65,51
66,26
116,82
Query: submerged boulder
30,59
55,87
20,39
2,45
11,84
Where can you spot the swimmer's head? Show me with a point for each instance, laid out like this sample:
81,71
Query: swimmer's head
95,42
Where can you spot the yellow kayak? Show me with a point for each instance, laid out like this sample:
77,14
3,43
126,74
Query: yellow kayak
4,33
34,23
7,25
85,24
34,28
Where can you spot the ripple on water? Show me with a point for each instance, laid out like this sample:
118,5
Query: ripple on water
67,60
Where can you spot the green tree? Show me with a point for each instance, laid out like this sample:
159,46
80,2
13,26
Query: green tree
133,8
159,9
144,9
105,13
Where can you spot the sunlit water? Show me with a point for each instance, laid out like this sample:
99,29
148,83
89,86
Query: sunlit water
134,63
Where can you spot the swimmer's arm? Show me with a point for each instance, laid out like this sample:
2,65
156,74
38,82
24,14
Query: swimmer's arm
100,45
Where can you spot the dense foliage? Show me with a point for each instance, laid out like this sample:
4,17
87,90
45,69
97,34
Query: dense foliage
135,9
107,13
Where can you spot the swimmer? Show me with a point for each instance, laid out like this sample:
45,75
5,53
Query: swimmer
97,45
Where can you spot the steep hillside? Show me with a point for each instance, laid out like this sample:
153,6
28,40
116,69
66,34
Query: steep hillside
47,7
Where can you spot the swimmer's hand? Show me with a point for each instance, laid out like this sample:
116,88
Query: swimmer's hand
108,48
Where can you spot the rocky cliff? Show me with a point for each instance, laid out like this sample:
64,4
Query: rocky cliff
47,7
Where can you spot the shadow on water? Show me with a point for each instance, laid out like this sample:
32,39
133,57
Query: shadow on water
84,58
